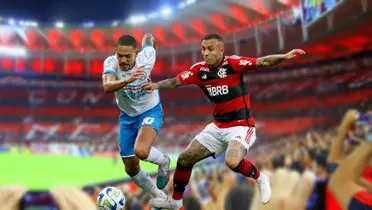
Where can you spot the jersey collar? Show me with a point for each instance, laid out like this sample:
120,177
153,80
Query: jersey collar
219,65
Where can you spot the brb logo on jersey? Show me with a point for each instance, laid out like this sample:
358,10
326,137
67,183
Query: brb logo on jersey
218,90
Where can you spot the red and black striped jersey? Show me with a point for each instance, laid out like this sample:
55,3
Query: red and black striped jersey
225,88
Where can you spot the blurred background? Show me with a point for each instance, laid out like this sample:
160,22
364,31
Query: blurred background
57,127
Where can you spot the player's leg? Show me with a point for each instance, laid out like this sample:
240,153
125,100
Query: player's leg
127,138
241,139
187,159
204,145
150,124
140,177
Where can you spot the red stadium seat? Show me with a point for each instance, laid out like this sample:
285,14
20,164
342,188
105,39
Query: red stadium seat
75,68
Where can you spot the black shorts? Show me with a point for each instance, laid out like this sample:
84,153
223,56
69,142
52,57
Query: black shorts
361,201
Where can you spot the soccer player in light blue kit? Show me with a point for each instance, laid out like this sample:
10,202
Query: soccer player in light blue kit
141,114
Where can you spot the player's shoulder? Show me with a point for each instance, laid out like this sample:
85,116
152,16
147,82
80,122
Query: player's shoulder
233,57
198,65
240,60
110,63
111,58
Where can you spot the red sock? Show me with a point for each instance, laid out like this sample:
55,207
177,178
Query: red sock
181,179
246,168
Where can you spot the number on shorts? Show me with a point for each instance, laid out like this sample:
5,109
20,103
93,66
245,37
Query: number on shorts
148,121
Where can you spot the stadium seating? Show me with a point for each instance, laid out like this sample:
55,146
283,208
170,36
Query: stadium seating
72,109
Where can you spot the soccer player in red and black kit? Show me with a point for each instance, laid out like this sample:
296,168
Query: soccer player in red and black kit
233,131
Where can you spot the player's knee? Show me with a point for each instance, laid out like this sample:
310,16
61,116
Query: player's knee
132,169
185,159
141,153
232,163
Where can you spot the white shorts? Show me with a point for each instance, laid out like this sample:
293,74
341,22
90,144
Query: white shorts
217,139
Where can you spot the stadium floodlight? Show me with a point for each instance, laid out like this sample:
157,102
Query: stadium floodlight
115,23
89,24
59,24
137,19
182,5
11,22
190,2
25,23
34,24
153,15
13,51
166,11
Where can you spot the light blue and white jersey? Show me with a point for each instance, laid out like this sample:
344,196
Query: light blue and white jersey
131,99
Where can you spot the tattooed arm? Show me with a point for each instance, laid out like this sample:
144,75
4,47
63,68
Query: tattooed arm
164,84
272,60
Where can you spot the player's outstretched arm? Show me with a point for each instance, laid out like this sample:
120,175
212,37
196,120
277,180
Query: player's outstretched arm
164,84
110,84
272,60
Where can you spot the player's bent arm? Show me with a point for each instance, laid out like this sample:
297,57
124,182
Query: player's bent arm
169,83
272,60
110,84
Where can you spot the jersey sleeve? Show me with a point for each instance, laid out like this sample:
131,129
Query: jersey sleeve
146,58
109,65
189,77
361,201
243,64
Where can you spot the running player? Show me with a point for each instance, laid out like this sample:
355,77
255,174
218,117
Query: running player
141,114
233,131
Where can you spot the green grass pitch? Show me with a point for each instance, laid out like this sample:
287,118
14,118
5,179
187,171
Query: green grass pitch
39,172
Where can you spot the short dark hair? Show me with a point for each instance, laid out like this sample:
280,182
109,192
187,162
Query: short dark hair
191,203
213,36
321,160
297,166
278,161
234,201
127,40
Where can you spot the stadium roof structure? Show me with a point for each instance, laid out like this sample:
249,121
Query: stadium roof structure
182,26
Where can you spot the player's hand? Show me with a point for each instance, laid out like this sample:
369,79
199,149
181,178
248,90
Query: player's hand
294,53
11,196
148,39
137,74
72,198
349,119
150,87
